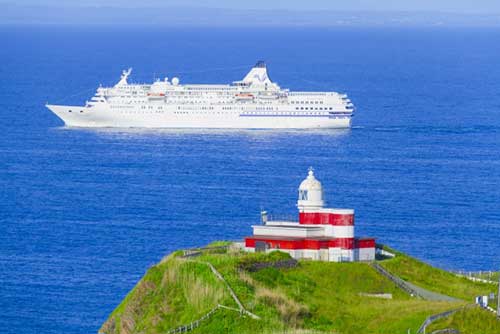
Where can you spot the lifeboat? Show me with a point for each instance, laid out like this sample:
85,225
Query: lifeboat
244,96
156,96
268,96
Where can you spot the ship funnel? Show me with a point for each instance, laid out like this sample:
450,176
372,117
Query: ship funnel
261,64
258,74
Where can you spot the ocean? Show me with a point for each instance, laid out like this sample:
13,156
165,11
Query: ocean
84,213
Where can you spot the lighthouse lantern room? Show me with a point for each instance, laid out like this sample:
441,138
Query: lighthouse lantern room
323,234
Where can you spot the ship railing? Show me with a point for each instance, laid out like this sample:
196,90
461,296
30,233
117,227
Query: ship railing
308,93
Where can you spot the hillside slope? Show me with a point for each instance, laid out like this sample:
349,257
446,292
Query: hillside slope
305,297
434,279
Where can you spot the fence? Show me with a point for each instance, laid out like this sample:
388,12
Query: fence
490,277
191,252
241,309
194,324
438,316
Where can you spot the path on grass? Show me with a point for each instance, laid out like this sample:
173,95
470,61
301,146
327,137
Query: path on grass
217,274
413,289
430,295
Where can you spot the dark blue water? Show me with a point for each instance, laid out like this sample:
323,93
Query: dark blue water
84,213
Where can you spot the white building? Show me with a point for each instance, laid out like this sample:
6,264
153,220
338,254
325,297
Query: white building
321,233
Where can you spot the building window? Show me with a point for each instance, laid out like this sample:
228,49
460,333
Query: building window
303,195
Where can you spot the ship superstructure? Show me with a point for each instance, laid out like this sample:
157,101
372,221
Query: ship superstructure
252,103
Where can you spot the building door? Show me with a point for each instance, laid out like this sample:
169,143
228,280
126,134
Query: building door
260,246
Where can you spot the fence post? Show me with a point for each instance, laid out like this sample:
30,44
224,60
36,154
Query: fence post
498,297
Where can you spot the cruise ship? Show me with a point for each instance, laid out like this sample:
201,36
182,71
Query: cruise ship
252,103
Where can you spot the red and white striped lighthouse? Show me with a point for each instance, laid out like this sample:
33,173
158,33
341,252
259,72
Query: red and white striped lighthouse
320,234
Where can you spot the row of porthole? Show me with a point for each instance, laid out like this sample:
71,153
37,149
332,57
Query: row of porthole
203,112
306,108
140,111
285,113
72,110
306,102
170,101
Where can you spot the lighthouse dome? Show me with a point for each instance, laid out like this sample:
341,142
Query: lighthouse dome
310,182
310,193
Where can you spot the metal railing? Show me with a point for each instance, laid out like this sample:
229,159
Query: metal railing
193,252
282,217
396,280
479,276
438,316
194,324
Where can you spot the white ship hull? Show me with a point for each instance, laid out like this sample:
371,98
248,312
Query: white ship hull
103,117
252,103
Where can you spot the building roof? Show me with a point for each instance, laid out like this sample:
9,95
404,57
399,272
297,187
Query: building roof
310,182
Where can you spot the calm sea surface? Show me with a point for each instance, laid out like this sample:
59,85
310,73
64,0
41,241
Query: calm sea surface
84,213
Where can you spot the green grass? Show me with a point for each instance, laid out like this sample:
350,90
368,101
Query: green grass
469,321
228,265
434,279
330,291
323,296
170,294
219,244
227,321
314,297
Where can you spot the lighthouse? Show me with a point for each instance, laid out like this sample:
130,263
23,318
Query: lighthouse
323,234
310,193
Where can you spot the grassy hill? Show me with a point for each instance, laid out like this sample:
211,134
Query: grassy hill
309,297
434,279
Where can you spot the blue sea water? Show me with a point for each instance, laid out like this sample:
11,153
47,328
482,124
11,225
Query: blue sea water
84,213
